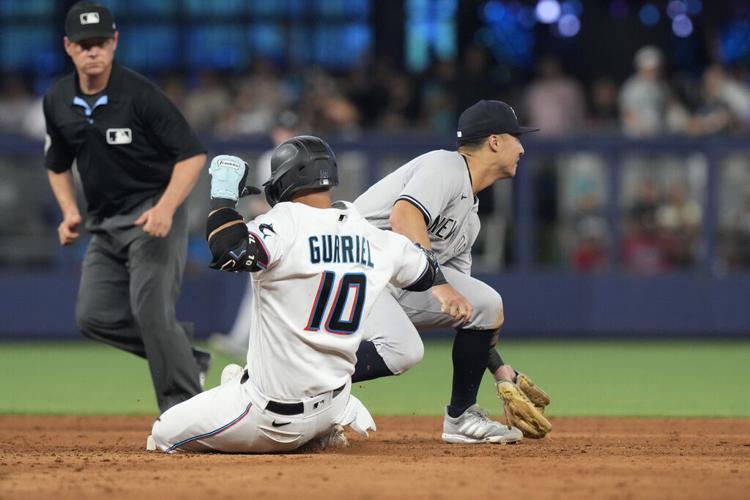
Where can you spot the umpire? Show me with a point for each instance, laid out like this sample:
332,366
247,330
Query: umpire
138,160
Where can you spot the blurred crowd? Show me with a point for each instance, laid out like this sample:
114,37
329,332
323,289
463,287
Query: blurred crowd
378,96
661,211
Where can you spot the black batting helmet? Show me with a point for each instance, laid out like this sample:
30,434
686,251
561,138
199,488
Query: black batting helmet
298,164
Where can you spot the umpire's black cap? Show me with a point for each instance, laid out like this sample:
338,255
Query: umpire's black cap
89,20
489,117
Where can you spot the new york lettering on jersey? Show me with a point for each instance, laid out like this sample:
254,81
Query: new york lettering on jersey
442,227
340,249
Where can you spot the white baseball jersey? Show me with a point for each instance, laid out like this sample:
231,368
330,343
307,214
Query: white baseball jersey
325,267
438,183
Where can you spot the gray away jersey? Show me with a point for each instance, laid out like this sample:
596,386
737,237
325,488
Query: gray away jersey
438,184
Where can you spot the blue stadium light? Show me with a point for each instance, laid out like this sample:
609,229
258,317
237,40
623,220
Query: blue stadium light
574,7
676,8
527,17
484,37
494,11
735,44
694,7
548,11
569,25
649,14
682,26
619,9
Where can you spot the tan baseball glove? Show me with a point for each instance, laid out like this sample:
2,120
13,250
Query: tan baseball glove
535,393
520,410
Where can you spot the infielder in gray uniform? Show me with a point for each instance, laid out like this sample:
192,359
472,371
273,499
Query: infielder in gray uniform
432,200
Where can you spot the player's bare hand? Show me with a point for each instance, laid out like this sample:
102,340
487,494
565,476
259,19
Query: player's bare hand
156,221
66,231
452,302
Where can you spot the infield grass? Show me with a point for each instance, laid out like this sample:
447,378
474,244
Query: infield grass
596,378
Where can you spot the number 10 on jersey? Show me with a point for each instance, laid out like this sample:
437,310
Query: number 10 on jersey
350,283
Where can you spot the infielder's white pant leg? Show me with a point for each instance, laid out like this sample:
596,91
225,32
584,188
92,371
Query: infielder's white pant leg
424,310
232,418
395,338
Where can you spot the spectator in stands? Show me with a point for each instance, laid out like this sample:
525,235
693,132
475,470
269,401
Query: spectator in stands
643,248
15,100
724,104
324,107
646,104
679,219
739,235
173,86
589,251
604,116
367,89
438,97
554,101
261,96
397,113
587,225
207,101
476,78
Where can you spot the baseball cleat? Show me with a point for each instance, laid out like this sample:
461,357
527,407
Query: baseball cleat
203,360
334,439
230,372
150,443
474,427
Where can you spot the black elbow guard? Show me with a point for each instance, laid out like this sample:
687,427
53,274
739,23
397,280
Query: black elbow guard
431,276
233,248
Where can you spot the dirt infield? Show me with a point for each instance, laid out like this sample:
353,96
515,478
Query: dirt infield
93,457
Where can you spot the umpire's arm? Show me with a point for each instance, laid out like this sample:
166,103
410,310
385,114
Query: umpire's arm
157,221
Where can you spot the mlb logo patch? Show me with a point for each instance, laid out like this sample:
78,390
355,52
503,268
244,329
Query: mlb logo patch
324,181
90,18
119,136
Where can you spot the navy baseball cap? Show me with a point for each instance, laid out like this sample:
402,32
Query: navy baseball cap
89,20
489,117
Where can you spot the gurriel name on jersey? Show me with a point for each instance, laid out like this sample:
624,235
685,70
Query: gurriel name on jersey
340,249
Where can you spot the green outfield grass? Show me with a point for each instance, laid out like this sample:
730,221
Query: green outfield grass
583,378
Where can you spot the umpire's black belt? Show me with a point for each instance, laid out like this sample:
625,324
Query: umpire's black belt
288,408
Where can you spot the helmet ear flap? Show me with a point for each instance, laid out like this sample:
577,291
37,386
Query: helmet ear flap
271,196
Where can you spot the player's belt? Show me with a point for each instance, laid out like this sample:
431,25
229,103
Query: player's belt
294,408
289,408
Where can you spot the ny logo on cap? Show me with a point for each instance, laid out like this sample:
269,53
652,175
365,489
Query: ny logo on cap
90,18
514,112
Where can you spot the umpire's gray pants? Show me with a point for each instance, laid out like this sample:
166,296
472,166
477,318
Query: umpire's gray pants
130,283
398,315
